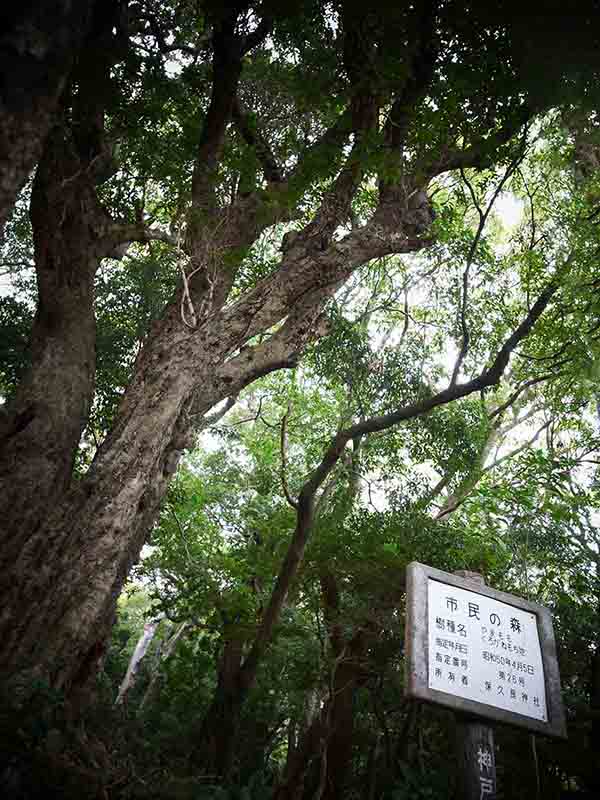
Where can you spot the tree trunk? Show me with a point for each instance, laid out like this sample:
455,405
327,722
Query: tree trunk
595,707
303,759
68,572
168,652
141,648
41,428
221,722
340,742
323,755
38,46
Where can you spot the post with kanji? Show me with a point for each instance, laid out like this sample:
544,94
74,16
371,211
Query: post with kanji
476,758
489,656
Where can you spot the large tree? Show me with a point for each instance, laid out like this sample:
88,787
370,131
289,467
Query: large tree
232,121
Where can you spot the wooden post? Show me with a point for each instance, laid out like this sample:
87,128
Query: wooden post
476,758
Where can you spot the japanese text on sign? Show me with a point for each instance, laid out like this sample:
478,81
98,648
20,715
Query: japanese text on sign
484,650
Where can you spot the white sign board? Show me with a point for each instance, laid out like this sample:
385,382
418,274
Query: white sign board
480,651
485,650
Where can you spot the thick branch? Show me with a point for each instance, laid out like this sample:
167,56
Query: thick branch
281,350
480,154
126,233
227,68
425,50
39,45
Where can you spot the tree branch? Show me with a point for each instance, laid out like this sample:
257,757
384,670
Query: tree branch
122,233
520,448
483,218
481,153
306,499
258,35
425,51
516,394
283,443
259,144
227,68
209,420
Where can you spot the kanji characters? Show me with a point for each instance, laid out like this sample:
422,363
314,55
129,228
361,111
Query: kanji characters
474,610
484,759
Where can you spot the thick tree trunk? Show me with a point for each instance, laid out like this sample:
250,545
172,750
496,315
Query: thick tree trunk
62,577
60,591
41,428
38,45
69,571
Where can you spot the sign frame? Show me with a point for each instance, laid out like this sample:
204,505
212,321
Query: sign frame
417,653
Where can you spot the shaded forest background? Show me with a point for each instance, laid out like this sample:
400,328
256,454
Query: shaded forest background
291,297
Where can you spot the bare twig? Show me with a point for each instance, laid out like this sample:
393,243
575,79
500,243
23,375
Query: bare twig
483,217
520,389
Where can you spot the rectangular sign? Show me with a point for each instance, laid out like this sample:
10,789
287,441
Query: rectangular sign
484,650
481,651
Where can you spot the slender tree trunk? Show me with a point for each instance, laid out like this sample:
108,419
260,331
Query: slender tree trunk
138,654
324,751
595,708
221,723
305,756
323,754
168,652
340,742
38,46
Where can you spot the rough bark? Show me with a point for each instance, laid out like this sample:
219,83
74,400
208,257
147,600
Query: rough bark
38,46
82,554
41,428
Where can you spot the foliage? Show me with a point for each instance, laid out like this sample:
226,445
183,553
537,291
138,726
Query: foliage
502,481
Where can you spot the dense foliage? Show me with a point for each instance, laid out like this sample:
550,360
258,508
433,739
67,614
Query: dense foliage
297,294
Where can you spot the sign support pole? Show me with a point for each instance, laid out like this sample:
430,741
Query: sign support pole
475,744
